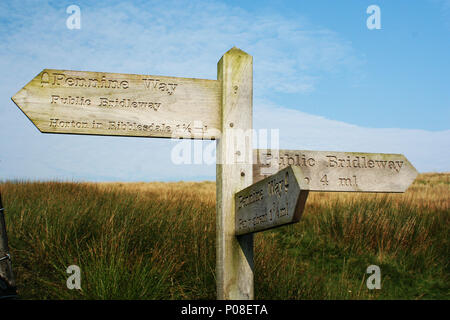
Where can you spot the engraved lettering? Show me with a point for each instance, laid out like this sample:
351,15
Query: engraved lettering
275,187
133,126
332,161
399,163
80,82
255,196
124,84
381,163
44,78
93,83
151,83
158,85
58,123
345,182
113,84
81,101
60,79
348,182
285,160
173,86
70,81
128,103
362,162
57,78
96,124
391,165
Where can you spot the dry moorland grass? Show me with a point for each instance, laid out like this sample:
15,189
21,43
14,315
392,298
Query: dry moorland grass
428,190
157,241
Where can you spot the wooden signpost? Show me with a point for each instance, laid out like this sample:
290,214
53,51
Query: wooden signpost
272,202
278,199
340,171
98,103
234,255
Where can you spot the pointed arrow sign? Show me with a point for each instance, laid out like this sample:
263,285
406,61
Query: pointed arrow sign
98,103
340,171
274,201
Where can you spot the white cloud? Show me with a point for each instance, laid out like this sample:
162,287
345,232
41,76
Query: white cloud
173,38
178,39
41,156
426,150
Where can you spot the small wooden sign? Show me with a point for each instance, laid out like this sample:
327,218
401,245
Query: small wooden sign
98,103
339,171
274,201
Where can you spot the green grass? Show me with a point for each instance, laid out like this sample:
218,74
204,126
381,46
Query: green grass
326,256
157,241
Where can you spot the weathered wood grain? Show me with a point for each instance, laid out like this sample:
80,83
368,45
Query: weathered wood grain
272,202
98,103
234,267
339,171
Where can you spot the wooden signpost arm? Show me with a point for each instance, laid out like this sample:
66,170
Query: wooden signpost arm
98,103
234,255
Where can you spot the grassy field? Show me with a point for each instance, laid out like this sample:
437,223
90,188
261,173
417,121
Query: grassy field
157,241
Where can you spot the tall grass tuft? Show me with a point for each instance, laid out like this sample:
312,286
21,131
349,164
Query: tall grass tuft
157,241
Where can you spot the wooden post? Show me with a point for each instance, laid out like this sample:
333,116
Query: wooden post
7,281
234,255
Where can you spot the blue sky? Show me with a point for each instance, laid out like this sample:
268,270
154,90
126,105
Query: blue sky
320,76
400,72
